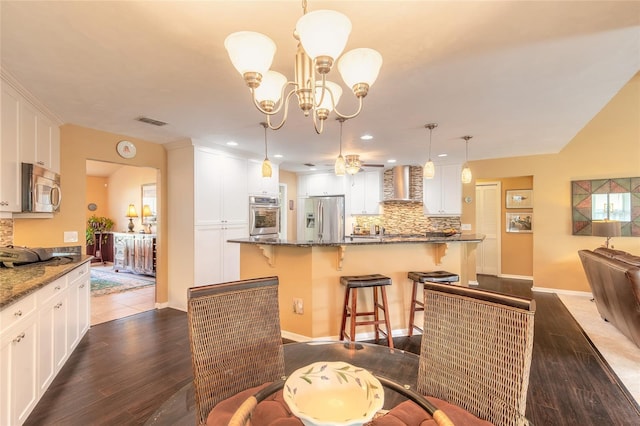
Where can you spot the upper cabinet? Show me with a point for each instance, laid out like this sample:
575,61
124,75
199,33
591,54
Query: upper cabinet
321,184
10,200
27,135
220,195
443,193
259,185
365,191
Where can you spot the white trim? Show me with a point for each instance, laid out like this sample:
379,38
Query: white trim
15,84
162,305
516,277
562,291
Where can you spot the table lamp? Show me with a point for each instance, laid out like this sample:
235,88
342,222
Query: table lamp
146,212
131,213
605,228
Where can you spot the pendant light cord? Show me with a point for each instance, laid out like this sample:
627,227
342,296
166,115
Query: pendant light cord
341,121
263,124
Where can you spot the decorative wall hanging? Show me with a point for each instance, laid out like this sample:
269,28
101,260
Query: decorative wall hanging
519,199
520,222
606,199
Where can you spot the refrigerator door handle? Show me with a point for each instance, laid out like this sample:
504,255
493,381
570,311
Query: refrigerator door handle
320,219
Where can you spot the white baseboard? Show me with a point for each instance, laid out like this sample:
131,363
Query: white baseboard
562,291
162,305
516,277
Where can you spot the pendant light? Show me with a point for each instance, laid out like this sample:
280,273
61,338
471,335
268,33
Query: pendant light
429,169
466,171
340,165
266,164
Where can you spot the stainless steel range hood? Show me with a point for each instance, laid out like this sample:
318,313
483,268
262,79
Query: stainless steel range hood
403,183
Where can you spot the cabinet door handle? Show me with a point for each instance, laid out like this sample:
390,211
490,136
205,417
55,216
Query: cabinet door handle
19,337
18,313
58,306
82,286
41,163
57,287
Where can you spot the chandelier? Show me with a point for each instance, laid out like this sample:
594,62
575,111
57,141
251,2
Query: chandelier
322,36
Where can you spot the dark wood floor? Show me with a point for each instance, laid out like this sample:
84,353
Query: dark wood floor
124,370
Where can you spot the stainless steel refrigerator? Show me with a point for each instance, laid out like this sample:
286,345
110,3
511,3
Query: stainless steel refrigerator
324,218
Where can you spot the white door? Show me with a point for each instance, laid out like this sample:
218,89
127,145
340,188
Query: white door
488,223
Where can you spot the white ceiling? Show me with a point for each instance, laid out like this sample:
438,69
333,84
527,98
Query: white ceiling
521,77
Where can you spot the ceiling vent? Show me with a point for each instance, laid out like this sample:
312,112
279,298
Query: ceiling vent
151,121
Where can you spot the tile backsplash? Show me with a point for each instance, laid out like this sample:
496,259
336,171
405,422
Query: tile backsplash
6,232
407,218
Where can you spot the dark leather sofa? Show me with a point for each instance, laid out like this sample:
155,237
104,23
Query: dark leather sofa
614,278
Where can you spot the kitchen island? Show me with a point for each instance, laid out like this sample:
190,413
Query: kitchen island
309,273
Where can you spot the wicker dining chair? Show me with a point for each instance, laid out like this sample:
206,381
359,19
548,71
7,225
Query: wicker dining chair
476,351
234,333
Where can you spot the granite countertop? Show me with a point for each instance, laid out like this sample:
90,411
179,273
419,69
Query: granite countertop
367,240
19,281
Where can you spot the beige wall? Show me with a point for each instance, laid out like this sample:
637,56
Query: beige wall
97,192
78,144
608,146
125,187
291,180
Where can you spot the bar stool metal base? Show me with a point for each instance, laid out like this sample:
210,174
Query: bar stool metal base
421,278
350,310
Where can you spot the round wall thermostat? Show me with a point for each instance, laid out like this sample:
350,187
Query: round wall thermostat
126,149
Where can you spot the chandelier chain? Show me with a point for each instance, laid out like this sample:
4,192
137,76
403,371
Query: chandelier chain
265,125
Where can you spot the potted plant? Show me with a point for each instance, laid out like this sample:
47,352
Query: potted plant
98,224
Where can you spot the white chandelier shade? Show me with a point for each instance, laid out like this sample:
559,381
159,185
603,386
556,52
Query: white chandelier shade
353,164
331,96
271,87
322,37
250,51
466,175
360,66
323,33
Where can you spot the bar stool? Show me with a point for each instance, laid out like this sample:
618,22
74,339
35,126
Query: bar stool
420,278
355,282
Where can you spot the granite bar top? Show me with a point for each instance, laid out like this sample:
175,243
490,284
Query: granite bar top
22,280
369,240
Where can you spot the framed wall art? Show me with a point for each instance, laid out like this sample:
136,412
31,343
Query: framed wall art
520,222
519,199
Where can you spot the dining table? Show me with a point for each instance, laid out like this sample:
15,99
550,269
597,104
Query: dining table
397,365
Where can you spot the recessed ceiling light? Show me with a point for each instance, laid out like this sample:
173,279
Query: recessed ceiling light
391,160
232,143
313,169
366,137
442,155
277,156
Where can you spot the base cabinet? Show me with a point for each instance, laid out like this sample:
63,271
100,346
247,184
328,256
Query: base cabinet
38,335
216,260
134,253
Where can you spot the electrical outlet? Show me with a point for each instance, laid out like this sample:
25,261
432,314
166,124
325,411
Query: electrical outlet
70,236
298,306
466,227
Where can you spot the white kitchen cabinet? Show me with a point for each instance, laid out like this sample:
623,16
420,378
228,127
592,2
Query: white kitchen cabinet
38,334
216,260
78,314
10,168
52,336
221,190
321,184
365,189
258,185
443,193
39,138
18,370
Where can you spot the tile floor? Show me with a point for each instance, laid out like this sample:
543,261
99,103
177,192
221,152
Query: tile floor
118,305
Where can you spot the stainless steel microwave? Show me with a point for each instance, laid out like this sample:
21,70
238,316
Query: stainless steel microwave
40,189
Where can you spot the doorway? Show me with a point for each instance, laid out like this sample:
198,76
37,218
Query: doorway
119,195
488,210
